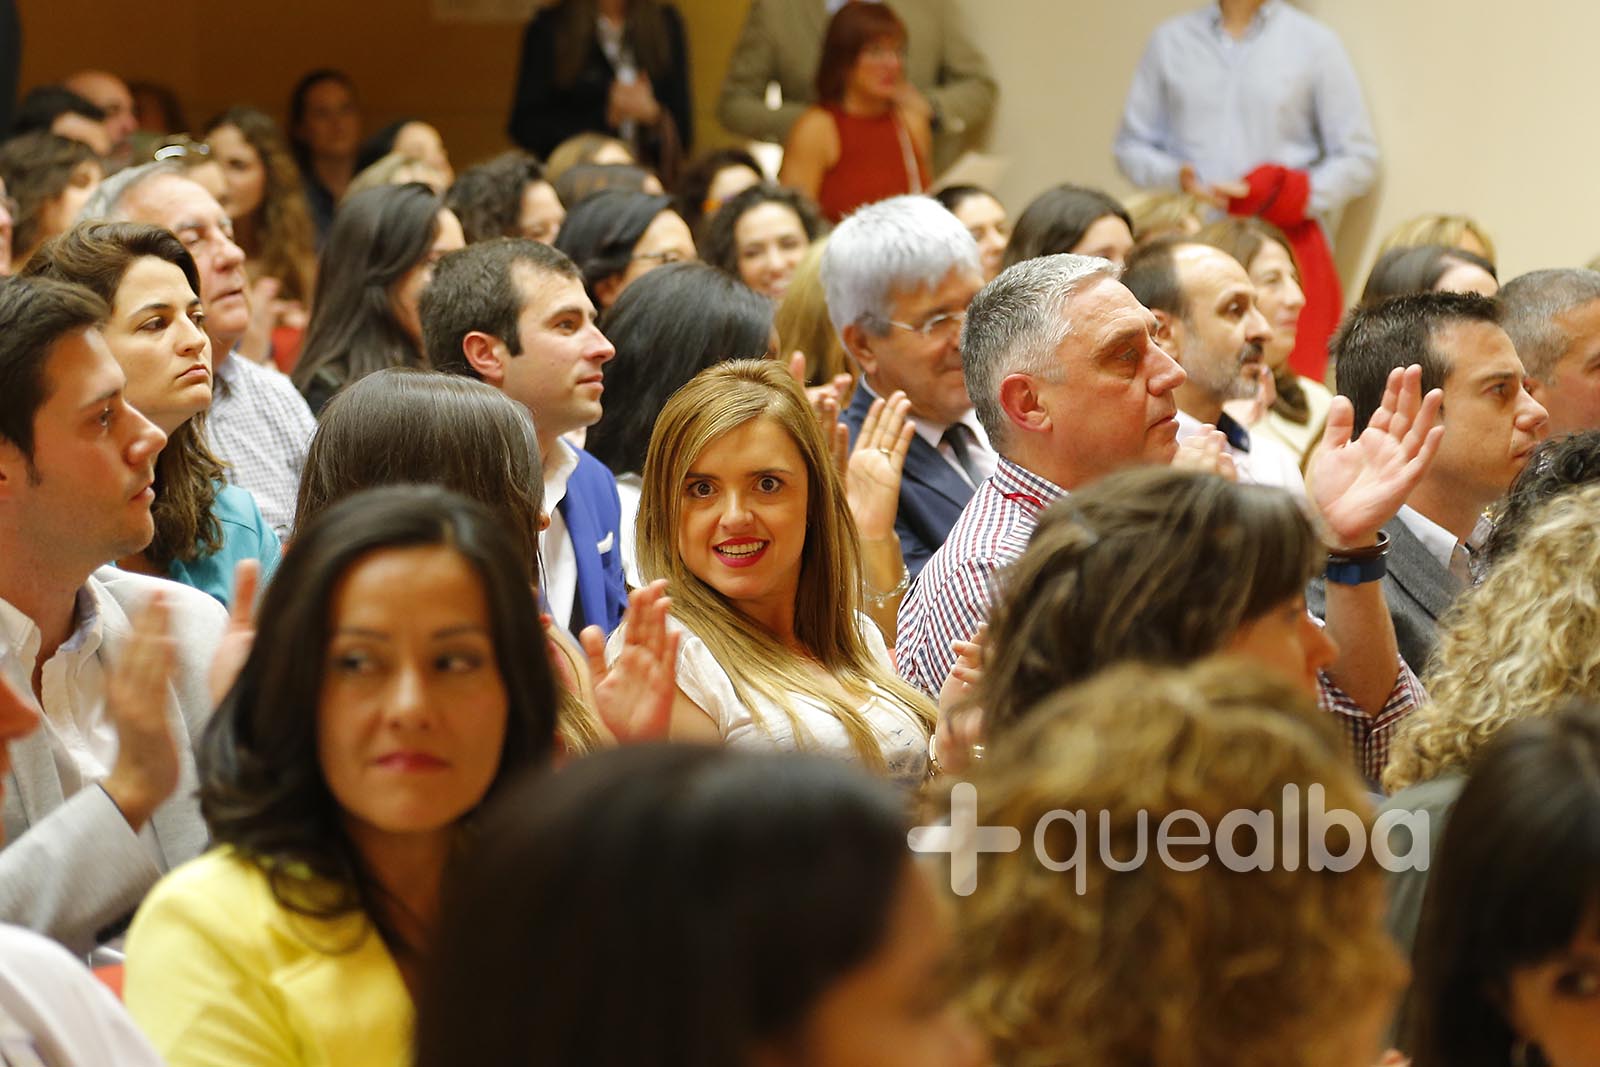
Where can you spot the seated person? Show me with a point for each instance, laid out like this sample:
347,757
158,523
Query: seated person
388,693
791,871
1126,569
376,262
985,218
711,180
1491,426
50,178
508,196
1452,231
103,790
746,517
760,236
1510,931
1141,938
204,527
1428,269
417,141
1516,646
616,236
1071,218
667,327
1553,317
50,1006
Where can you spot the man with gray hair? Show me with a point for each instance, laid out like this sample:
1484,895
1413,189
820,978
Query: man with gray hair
1068,382
1553,319
899,275
259,424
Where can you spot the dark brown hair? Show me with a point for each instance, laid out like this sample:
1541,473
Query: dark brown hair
37,168
852,28
97,255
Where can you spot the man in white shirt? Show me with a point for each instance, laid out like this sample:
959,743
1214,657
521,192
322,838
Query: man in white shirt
513,313
259,424
899,275
100,800
1491,424
52,1011
1207,319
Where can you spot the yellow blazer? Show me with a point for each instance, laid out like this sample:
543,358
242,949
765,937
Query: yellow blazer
219,974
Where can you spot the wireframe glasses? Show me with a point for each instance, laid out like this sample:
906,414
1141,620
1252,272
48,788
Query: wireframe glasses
942,326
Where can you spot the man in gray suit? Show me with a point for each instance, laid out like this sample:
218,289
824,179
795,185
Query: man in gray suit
782,42
101,797
1491,424
899,275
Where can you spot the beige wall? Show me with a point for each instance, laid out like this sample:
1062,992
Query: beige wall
1478,108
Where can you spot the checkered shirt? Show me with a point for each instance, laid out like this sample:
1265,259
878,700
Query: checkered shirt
260,427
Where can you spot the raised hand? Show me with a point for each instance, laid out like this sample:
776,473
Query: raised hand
960,722
1358,485
146,771
240,634
1206,451
872,474
838,388
634,695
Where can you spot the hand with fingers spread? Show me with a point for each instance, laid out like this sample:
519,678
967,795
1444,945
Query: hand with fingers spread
234,648
872,474
634,695
137,690
1358,485
1206,451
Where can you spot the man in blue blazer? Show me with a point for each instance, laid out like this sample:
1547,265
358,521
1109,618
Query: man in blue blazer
513,313
899,275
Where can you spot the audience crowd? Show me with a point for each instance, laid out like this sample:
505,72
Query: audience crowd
539,614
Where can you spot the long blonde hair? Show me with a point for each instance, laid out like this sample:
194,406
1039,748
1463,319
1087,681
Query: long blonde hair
1512,647
716,401
801,319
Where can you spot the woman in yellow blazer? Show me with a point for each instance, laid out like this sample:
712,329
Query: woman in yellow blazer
388,693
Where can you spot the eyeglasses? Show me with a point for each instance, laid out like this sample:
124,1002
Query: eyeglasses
943,326
182,147
670,255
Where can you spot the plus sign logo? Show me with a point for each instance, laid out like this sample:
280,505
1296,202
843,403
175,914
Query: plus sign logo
963,839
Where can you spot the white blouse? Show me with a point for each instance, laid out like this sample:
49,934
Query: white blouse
902,738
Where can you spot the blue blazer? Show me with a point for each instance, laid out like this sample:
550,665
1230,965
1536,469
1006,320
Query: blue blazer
593,515
932,494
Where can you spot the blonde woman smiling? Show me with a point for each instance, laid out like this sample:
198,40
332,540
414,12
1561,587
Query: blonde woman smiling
744,513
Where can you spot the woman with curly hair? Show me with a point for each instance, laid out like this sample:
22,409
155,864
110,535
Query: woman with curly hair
1121,933
203,526
760,236
267,201
388,693
506,197
1513,647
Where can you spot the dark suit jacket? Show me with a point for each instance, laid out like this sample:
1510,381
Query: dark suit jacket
1418,590
932,494
593,515
544,114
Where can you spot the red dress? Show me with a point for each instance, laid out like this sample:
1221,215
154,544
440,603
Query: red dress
877,160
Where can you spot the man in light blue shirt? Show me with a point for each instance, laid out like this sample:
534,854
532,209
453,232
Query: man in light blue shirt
1242,83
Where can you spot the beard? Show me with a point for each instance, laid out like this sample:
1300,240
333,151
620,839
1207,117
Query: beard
1234,378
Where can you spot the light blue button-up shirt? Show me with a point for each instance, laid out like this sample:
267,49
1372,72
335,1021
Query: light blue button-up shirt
1283,93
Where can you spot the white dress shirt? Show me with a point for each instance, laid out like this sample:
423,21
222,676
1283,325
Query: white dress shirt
1440,543
82,738
1264,462
560,583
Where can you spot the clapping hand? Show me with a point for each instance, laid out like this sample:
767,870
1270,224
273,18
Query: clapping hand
1206,451
634,695
1358,485
873,469
1217,195
960,722
137,687
838,389
240,634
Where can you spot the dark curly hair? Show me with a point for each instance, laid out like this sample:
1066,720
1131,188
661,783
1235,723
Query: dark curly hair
1556,465
487,198
262,790
717,243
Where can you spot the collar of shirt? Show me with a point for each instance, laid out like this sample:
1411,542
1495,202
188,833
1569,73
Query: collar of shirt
1440,543
556,474
1238,437
21,637
933,432
1021,486
1264,14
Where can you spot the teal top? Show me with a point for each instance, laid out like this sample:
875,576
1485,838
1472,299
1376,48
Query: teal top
245,535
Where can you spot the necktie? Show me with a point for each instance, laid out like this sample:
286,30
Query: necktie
956,438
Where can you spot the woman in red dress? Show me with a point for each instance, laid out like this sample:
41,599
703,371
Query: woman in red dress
869,136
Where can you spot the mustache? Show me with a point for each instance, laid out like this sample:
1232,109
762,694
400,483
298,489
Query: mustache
1251,352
